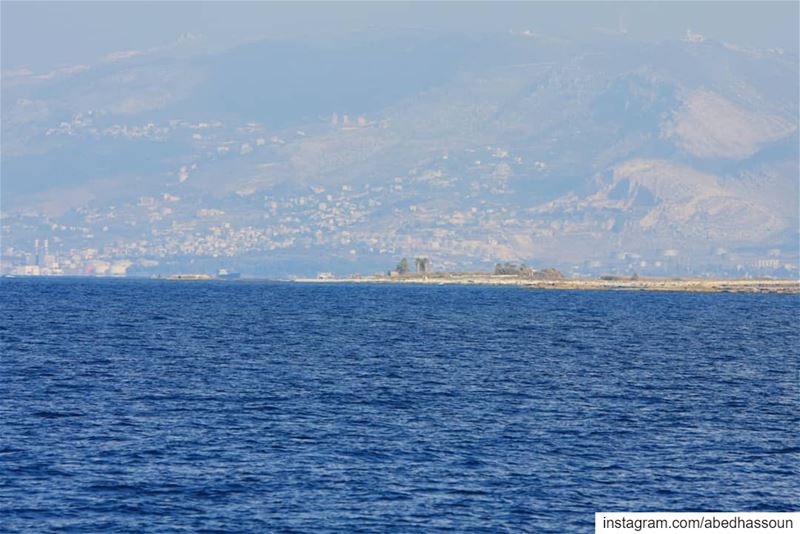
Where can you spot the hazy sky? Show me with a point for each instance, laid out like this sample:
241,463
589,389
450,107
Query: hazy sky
42,35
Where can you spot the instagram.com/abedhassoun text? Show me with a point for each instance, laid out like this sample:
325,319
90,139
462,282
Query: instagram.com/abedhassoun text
696,522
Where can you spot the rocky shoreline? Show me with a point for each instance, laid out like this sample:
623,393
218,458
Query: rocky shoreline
700,285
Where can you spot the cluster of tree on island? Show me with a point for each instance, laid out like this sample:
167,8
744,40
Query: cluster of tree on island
523,271
422,265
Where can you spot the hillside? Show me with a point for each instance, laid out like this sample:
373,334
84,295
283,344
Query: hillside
606,155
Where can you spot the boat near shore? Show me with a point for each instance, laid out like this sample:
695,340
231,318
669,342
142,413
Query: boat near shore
189,277
225,274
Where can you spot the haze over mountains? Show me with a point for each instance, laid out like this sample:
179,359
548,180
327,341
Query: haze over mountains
604,154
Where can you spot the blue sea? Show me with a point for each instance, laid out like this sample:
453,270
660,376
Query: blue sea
156,406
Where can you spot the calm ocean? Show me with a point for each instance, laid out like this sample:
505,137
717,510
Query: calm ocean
143,405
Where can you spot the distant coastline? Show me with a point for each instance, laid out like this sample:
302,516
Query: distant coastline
610,283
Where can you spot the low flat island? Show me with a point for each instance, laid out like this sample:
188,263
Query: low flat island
606,283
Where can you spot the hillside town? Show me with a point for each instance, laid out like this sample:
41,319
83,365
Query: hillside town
359,227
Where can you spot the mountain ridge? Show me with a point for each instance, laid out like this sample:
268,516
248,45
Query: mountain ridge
517,150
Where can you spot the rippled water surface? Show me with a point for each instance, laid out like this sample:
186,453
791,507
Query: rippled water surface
157,406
